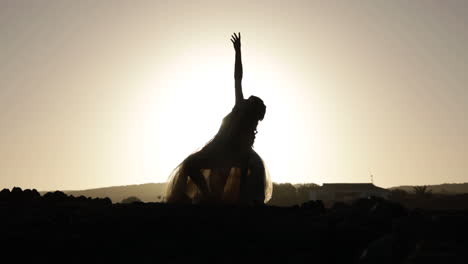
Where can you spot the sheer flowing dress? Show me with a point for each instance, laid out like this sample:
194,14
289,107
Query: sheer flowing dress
233,171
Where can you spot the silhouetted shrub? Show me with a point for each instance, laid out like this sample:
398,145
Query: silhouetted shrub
28,195
16,190
36,193
4,195
55,197
131,199
106,201
16,195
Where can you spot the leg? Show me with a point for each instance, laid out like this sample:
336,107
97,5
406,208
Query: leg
217,182
244,187
257,178
199,180
193,168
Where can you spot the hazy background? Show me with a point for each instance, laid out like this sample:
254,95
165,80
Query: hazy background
100,93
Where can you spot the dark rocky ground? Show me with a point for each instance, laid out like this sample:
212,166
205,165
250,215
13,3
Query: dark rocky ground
60,228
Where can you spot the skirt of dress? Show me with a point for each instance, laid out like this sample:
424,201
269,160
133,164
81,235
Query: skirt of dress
225,181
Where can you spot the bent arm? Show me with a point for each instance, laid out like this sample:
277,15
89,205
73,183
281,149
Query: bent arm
238,71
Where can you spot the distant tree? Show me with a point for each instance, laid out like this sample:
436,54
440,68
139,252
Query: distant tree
131,199
422,191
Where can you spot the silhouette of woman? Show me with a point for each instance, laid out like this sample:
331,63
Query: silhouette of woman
226,169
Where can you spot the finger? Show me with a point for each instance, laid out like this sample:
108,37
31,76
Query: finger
239,35
233,37
232,41
236,35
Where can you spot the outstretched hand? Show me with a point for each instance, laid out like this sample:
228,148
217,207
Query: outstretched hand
236,41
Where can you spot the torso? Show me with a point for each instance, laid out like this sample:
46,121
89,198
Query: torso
233,141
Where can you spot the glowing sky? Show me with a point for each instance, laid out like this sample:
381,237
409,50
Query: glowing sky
101,93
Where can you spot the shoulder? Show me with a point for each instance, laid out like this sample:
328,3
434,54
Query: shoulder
236,111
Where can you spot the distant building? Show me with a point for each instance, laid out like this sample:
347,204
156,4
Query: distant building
346,192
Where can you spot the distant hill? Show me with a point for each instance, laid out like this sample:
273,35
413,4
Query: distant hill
149,192
454,188
283,194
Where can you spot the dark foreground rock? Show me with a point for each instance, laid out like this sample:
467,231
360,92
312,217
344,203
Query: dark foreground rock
58,228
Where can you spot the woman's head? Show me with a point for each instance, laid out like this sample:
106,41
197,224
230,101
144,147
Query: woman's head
254,112
256,108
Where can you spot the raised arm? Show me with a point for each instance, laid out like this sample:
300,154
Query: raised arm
236,40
